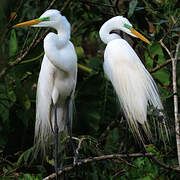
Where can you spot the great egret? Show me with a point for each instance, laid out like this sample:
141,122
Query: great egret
134,86
57,81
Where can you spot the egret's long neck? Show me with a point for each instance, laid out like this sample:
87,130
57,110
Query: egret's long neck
64,33
63,37
105,32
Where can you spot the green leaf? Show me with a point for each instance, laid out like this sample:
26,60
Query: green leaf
13,44
139,162
132,6
27,102
80,52
162,74
12,95
146,178
25,156
5,170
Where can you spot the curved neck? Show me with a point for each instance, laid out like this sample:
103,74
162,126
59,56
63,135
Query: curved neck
105,30
63,32
63,37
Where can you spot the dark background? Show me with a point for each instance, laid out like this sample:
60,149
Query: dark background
98,117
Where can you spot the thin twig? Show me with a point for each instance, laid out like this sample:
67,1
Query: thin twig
79,145
51,4
97,158
65,5
167,50
159,66
165,166
114,7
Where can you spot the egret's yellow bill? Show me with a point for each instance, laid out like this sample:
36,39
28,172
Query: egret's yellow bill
140,36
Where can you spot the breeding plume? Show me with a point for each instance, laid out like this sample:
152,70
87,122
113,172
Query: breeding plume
57,81
134,86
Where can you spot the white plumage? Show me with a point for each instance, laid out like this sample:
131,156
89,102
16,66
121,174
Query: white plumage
57,81
134,85
57,78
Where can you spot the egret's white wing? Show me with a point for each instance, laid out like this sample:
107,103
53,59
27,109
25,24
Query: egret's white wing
44,105
133,84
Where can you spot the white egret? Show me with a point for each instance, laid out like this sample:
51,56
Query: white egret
134,86
57,81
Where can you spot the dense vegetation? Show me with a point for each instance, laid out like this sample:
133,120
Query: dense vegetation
98,122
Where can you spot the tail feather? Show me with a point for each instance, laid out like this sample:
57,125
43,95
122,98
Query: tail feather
44,134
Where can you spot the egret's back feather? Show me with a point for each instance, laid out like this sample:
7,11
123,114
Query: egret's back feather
134,86
44,132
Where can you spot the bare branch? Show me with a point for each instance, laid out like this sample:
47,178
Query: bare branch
97,158
79,145
159,66
167,50
174,62
51,4
177,50
65,5
113,4
165,166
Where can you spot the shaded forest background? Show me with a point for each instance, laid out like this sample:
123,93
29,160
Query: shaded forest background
98,125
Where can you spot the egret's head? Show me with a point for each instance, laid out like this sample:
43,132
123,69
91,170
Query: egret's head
50,18
127,27
123,24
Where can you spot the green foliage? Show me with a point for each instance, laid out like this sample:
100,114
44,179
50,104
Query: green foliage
97,117
132,6
13,44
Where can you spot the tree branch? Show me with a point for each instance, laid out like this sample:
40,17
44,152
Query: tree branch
165,166
161,65
174,62
97,158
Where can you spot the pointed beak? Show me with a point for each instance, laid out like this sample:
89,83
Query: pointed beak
140,36
27,23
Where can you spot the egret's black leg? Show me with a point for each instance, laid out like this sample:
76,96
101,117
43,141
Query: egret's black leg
70,130
55,142
125,149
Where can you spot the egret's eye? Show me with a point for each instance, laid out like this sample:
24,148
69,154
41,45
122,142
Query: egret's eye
128,26
44,19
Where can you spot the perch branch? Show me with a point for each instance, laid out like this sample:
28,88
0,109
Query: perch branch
97,158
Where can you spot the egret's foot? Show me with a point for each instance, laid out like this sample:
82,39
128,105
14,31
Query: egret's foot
144,152
56,171
75,161
75,156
